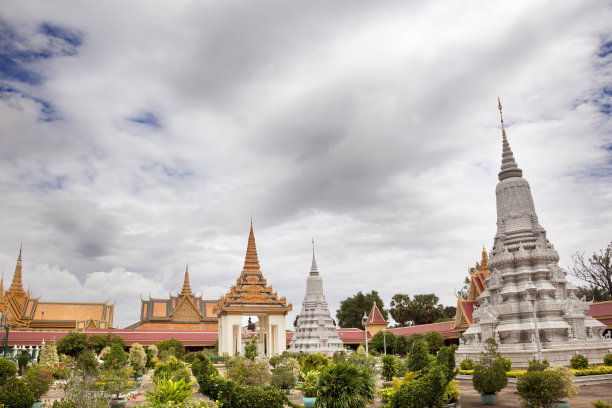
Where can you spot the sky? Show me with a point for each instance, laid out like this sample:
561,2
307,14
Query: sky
139,136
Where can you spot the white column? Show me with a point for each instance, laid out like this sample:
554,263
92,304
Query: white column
279,341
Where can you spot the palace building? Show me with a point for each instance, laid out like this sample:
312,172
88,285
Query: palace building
27,312
185,311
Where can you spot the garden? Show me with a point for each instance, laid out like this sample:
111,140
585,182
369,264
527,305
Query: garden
98,372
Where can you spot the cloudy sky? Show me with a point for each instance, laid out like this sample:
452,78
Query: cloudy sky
139,136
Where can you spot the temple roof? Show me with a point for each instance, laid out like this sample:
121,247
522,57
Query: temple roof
17,284
251,291
376,317
186,291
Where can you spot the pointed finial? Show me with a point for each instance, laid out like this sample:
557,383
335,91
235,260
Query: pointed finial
20,247
313,254
499,106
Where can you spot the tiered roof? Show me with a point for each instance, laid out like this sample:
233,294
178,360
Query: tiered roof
465,307
375,317
251,292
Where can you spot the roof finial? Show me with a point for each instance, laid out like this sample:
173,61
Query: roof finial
20,247
313,254
499,106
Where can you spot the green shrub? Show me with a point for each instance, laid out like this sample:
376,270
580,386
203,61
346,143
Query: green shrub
340,357
435,341
283,377
22,361
535,365
15,394
540,388
253,397
250,348
169,348
201,365
72,344
608,359
173,369
579,362
418,359
8,369
169,391
467,364
507,363
248,372
402,346
310,383
115,357
363,361
213,385
426,391
345,386
446,358
601,404
38,379
87,364
490,373
390,365
315,361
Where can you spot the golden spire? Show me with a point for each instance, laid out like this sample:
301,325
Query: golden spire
499,106
17,285
186,291
485,259
251,261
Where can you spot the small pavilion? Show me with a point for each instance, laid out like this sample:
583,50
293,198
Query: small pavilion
251,296
376,321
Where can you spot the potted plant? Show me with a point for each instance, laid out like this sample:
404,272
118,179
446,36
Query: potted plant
310,382
117,382
569,390
490,373
283,378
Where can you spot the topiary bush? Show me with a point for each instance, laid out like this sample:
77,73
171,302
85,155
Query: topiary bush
15,394
173,369
390,365
579,361
169,348
115,357
490,373
419,356
467,364
201,365
48,355
315,362
22,361
8,369
535,365
540,388
250,348
507,363
138,359
426,391
608,359
345,386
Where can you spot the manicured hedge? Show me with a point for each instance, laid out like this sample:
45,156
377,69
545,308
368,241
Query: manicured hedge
596,370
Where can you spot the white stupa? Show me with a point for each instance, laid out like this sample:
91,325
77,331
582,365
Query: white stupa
315,331
529,307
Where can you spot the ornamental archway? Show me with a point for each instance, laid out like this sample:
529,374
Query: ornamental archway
251,296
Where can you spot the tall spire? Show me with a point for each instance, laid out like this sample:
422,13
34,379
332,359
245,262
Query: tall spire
251,261
186,291
485,258
509,168
313,269
17,285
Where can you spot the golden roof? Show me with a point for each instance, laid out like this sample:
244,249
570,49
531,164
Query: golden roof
251,291
186,291
16,288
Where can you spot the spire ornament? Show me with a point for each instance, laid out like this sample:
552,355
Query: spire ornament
509,168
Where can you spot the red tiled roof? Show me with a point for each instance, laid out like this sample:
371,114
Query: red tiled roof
467,306
375,316
444,328
352,336
600,309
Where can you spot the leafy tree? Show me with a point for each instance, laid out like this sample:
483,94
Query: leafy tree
351,309
401,345
413,338
399,309
424,309
596,271
434,340
171,347
593,293
87,364
250,348
97,342
463,292
419,356
116,356
72,344
378,342
450,312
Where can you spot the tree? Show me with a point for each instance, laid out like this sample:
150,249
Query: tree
72,344
424,309
380,339
593,294
434,340
352,309
399,309
401,345
463,293
171,347
450,312
48,355
596,271
98,341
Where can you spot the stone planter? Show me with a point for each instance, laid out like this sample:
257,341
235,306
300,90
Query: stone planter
561,404
38,404
118,403
488,399
309,402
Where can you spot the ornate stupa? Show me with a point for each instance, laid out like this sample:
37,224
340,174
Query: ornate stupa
315,331
529,307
